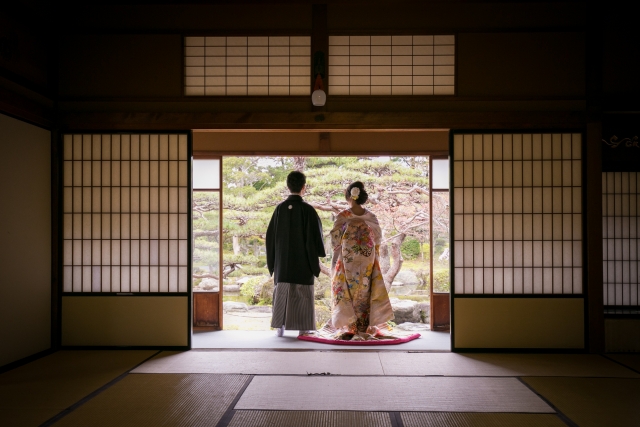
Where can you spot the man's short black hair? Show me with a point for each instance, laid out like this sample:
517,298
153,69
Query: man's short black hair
295,181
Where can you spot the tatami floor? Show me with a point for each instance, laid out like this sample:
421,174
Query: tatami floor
271,387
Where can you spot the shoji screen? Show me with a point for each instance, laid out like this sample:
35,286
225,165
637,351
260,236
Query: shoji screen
241,66
125,213
392,65
125,220
620,238
518,214
517,208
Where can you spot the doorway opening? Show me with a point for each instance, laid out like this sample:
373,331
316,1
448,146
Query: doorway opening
234,198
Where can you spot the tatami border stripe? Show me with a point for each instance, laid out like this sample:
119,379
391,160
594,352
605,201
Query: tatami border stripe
25,360
620,363
396,419
559,413
93,394
230,412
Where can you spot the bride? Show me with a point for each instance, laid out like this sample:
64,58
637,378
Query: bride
360,303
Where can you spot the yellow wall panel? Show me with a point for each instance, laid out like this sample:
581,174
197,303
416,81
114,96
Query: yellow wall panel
622,335
125,321
25,239
519,323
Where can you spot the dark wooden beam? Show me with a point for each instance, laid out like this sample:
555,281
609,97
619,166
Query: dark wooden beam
23,108
554,120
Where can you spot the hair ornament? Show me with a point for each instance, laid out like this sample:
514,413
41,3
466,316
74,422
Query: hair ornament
355,192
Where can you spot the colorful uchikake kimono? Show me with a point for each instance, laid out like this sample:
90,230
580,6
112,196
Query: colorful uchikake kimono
358,293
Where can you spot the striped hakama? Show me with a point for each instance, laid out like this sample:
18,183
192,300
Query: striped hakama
293,307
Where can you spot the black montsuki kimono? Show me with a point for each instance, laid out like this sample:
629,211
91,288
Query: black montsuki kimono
294,243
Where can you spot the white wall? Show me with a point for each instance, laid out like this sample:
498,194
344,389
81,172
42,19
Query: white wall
25,239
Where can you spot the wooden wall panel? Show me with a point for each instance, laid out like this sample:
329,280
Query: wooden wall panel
206,309
521,64
117,65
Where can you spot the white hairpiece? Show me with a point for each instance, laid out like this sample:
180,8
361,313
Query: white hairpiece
355,192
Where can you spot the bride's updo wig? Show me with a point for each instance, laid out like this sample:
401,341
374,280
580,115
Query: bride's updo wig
355,191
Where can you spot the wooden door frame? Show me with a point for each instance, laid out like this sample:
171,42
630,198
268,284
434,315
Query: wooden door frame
206,156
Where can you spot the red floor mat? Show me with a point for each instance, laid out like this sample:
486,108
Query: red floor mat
398,340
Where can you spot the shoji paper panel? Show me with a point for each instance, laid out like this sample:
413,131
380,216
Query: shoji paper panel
122,213
518,201
241,66
621,238
392,65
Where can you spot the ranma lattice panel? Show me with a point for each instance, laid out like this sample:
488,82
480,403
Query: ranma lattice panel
392,65
517,206
245,66
125,213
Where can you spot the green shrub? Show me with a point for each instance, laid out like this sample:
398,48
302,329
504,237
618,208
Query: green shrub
410,248
441,281
248,289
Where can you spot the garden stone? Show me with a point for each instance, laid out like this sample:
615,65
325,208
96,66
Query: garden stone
407,277
243,280
231,288
234,306
405,311
209,284
410,327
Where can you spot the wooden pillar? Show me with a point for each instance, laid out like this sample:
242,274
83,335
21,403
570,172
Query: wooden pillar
319,43
593,237
593,181
56,241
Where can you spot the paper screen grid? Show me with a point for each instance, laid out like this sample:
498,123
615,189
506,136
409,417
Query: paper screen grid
248,66
125,213
620,238
517,213
392,65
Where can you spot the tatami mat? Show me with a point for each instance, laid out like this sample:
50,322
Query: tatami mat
310,419
263,362
630,360
35,392
454,419
454,364
391,394
159,400
593,402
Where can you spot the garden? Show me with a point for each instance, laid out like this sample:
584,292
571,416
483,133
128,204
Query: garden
251,187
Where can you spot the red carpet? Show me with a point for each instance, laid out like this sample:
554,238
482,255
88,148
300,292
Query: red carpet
387,341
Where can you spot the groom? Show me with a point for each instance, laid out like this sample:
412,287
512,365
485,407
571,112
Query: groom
294,243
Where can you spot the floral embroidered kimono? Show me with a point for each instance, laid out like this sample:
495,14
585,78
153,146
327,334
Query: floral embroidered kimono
359,296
